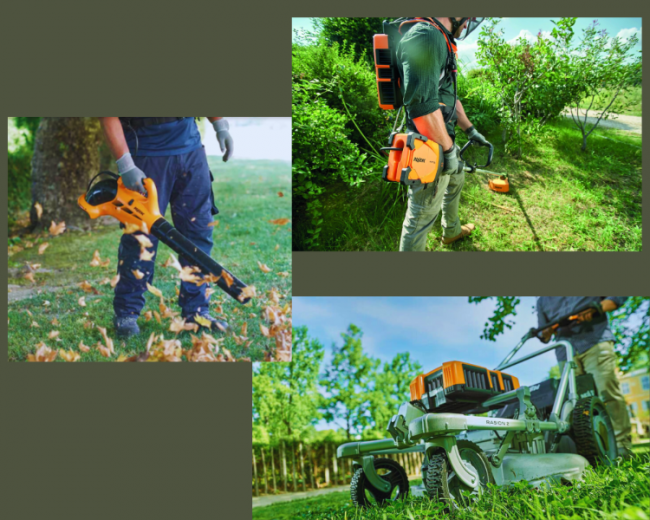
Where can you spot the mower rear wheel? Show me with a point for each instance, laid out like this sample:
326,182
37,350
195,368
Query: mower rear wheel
441,481
593,431
364,494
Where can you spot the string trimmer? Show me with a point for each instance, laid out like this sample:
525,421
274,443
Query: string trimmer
107,195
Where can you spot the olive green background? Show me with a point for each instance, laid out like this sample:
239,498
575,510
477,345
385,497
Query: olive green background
157,441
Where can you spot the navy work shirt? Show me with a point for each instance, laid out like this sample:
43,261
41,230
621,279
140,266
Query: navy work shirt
175,138
583,335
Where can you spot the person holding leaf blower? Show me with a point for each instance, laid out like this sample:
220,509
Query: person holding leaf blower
169,151
427,65
593,342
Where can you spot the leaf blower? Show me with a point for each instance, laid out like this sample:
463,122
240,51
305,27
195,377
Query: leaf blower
107,195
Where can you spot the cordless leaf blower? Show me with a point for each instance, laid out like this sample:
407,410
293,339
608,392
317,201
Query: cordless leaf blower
107,195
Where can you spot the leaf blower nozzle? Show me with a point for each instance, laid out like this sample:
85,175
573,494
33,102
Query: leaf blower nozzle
107,195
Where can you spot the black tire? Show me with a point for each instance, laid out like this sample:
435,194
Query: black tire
364,494
592,431
442,483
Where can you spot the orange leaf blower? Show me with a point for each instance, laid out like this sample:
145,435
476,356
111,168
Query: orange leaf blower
107,195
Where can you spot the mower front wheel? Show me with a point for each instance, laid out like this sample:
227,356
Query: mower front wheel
364,494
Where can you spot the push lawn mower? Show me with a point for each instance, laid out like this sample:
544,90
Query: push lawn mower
544,433
107,195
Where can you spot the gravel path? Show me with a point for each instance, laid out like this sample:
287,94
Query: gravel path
621,122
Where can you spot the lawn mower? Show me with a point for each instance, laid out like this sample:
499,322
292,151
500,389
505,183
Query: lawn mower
475,426
107,195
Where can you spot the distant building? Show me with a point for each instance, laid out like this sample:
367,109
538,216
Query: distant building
636,389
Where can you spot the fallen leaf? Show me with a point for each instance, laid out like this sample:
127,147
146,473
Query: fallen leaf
33,267
53,334
105,281
144,241
247,292
265,331
43,354
30,277
187,275
96,261
172,261
129,229
43,247
227,277
204,322
115,281
107,341
69,355
213,224
55,322
280,194
209,292
86,287
138,274
82,301
83,347
280,221
277,246
244,329
154,291
39,210
263,267
146,255
179,325
148,316
35,325
155,313
88,325
103,350
284,274
57,229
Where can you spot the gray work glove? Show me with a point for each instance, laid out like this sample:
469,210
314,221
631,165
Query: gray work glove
132,176
225,139
474,135
451,162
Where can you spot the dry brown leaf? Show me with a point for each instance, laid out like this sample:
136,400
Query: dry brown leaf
155,313
154,291
43,247
86,287
263,267
172,261
30,277
105,281
88,324
115,281
57,229
178,291
148,316
39,210
83,348
107,341
69,355
33,267
179,325
53,334
277,246
187,275
55,322
103,350
204,322
82,301
265,331
280,221
43,354
144,241
280,194
129,229
227,277
244,329
213,224
96,261
146,255
209,292
139,275
35,325
247,292
284,274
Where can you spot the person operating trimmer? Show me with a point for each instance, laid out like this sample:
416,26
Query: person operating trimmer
169,151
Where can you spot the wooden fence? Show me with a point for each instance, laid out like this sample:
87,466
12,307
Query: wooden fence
296,466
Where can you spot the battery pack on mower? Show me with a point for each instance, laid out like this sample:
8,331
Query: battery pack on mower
413,159
459,387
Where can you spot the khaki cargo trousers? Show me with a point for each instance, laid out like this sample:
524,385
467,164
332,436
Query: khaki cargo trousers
600,362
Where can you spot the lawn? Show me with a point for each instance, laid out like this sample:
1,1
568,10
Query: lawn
628,103
560,199
613,493
248,196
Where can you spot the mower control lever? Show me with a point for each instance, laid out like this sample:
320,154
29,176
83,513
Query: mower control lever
470,143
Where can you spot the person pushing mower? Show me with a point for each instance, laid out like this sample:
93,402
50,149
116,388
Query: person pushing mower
169,151
593,342
427,67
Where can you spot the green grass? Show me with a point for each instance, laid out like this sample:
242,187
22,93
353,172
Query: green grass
628,103
611,493
561,199
247,196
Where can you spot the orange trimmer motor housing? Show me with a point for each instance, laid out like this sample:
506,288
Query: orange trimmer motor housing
500,183
459,387
413,159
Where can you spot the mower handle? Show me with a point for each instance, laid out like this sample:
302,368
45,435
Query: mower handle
471,142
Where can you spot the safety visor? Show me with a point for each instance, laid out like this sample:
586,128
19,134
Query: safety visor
472,24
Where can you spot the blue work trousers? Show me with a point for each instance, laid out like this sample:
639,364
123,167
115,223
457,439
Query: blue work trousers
185,182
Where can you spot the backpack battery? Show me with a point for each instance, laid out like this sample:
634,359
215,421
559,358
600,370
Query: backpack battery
459,387
388,87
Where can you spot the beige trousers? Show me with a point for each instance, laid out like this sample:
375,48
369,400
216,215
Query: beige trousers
600,361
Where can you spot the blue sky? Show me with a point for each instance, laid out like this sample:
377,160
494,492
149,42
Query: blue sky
527,27
433,330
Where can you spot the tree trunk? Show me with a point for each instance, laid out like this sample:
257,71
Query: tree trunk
66,157
275,487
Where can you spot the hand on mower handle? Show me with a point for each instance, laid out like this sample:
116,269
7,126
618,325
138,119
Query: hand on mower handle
132,176
452,162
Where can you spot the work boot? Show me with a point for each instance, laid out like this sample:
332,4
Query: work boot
466,229
126,326
217,326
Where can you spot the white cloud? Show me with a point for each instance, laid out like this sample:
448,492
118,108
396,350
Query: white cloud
626,34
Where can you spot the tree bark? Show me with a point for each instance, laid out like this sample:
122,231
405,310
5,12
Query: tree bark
66,157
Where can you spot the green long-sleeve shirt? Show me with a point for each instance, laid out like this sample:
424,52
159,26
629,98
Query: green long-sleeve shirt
422,59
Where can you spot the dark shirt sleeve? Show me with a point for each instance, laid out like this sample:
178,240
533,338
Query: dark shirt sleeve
423,56
542,319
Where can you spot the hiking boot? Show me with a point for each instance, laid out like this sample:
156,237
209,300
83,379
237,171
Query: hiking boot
216,325
126,326
466,229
